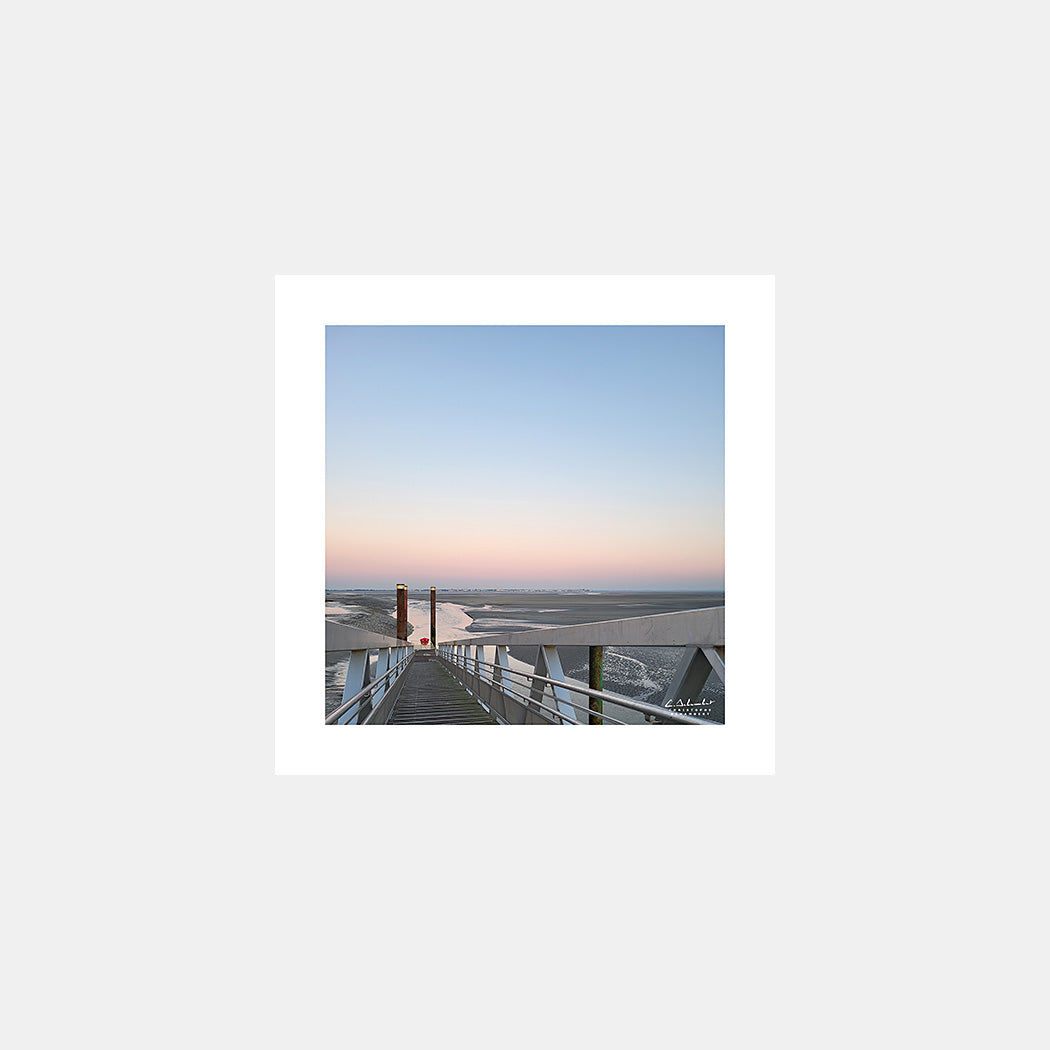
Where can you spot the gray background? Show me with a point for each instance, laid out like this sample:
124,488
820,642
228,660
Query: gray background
163,887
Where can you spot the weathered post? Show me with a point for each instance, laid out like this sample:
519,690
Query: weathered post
402,612
594,680
433,618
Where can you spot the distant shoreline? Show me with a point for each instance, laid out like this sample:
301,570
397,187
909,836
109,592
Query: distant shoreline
424,591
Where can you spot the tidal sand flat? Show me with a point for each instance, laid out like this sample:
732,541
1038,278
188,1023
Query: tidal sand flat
640,672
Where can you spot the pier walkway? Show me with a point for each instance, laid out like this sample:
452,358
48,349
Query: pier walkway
430,696
472,680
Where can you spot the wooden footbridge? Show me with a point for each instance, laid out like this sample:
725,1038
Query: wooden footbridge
391,682
431,696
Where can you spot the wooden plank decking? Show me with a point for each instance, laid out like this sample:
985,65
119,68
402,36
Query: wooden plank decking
431,696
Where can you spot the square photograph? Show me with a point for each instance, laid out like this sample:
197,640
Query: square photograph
525,525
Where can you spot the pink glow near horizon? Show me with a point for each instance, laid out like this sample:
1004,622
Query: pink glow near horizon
570,456
607,562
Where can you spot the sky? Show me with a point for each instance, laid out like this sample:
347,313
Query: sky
525,456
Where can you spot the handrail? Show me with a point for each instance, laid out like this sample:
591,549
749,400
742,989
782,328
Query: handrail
529,703
338,638
338,713
665,713
699,633
525,701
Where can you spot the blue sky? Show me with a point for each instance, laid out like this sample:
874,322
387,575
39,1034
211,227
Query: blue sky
569,456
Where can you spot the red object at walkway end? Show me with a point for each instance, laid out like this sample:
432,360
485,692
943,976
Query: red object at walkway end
423,641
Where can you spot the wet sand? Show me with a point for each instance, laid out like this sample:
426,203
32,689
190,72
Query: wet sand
639,672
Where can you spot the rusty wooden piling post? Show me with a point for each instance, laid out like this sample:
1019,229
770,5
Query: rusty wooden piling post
433,618
594,681
402,612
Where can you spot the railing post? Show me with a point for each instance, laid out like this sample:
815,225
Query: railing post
594,681
513,712
548,664
691,676
501,660
382,666
716,655
357,677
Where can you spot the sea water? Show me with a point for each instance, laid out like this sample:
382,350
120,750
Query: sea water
640,672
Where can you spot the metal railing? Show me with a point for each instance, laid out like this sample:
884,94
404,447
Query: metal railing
545,695
366,699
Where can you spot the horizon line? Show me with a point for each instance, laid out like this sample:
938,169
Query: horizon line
546,590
